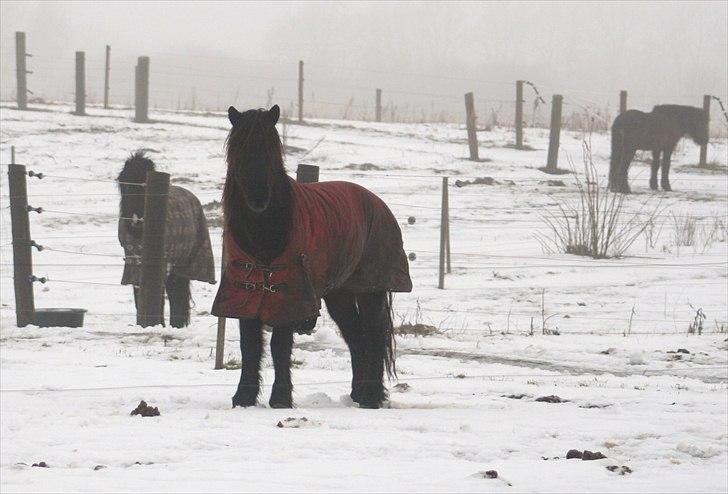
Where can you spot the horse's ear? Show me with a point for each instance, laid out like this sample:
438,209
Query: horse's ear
272,116
234,115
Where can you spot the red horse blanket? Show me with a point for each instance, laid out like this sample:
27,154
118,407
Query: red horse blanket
343,238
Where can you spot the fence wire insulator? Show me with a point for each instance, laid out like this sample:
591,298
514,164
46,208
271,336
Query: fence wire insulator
39,176
30,208
34,278
33,243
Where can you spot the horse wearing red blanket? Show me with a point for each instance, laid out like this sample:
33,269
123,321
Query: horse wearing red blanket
289,245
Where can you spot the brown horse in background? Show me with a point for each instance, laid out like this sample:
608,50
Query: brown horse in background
658,131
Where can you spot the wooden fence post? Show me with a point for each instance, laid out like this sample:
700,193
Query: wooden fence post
21,71
553,155
704,148
444,233
220,345
154,265
622,101
470,124
22,256
141,90
519,114
106,77
307,173
300,90
80,83
378,110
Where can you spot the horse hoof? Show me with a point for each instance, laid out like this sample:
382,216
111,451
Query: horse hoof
281,397
373,405
280,404
666,187
245,399
653,186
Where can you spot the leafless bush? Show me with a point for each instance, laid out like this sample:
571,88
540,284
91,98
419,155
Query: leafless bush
685,228
596,224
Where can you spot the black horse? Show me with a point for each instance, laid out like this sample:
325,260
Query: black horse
188,253
657,131
289,245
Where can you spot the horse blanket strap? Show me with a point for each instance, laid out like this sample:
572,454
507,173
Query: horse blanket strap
343,237
187,241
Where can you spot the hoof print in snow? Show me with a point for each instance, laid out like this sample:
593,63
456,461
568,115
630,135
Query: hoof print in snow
623,470
551,399
588,455
145,410
490,474
608,351
401,388
99,467
296,423
40,464
515,397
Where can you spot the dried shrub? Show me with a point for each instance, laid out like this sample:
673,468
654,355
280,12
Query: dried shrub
597,224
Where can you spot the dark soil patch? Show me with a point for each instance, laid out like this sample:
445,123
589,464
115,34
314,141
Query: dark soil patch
145,410
553,183
364,167
482,181
551,399
415,329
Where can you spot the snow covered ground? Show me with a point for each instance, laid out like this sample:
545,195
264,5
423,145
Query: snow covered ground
66,394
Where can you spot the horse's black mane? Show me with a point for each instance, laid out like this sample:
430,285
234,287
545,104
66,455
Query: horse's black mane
252,143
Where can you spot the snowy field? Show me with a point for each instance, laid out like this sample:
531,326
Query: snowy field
513,324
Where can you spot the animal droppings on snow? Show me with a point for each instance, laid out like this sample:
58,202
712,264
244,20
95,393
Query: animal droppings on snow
515,396
608,351
40,464
490,474
401,388
551,399
99,467
585,455
145,410
296,423
623,470
574,453
588,455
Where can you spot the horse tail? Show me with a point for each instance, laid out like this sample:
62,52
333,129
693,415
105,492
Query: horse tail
390,345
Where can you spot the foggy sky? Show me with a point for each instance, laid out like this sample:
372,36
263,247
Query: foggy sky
236,52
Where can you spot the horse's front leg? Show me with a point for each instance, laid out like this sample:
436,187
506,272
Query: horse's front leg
655,167
665,181
281,344
251,348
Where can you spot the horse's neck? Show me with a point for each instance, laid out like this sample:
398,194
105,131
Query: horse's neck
264,235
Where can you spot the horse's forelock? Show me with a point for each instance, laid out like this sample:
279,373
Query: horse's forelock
136,168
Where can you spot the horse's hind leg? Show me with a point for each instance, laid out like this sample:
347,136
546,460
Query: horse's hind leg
178,292
378,345
665,180
655,167
251,348
281,344
343,310
624,172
